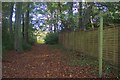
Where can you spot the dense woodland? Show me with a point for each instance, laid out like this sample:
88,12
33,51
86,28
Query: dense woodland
22,21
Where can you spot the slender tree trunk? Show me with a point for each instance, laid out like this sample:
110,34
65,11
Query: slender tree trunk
60,12
55,25
91,14
50,28
87,14
18,36
23,25
80,16
56,21
84,22
10,25
51,23
11,14
70,20
27,24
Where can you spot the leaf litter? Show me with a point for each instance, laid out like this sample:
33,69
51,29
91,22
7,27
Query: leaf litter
46,62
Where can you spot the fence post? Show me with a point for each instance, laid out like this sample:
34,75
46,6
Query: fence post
100,45
118,64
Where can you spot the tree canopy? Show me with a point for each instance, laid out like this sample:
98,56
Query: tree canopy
21,19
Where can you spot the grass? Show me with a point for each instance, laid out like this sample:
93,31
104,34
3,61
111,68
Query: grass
55,46
74,58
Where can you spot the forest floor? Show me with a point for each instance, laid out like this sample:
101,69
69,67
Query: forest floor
47,61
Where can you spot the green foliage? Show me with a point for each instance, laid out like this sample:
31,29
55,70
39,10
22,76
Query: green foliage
7,42
32,39
26,46
12,34
51,38
56,46
40,41
40,36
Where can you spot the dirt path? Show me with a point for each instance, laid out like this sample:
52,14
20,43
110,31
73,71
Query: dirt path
41,62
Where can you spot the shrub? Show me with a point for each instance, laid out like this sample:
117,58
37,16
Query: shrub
7,42
51,38
32,39
26,46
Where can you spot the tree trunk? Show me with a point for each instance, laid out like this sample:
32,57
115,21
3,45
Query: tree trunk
27,24
80,16
87,14
23,25
10,24
18,36
57,21
11,14
60,12
70,19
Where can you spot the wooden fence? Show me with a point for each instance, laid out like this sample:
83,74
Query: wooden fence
88,41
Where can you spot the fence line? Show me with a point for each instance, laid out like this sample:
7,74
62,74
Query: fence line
88,41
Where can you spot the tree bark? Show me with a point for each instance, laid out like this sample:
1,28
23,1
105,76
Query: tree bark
23,25
60,13
18,36
26,36
11,14
87,14
80,16
10,24
69,22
